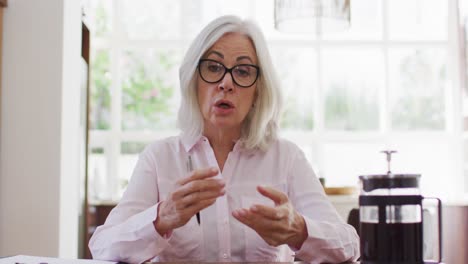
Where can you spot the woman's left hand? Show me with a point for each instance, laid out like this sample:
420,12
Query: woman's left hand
276,225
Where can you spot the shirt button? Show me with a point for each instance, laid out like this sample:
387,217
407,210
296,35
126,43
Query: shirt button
225,255
225,221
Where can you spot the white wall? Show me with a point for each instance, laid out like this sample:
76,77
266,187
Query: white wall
39,198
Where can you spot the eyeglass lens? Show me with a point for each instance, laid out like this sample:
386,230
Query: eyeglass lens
243,75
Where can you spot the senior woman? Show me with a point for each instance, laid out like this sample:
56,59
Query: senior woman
227,188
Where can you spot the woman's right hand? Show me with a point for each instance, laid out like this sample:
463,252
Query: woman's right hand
192,194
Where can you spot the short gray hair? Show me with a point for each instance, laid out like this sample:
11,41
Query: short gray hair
260,127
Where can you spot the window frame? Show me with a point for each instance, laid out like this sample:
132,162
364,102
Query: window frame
317,138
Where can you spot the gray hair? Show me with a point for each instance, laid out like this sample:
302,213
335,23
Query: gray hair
260,127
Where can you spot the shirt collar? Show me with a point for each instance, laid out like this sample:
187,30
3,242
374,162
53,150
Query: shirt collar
189,141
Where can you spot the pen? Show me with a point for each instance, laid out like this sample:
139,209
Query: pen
190,168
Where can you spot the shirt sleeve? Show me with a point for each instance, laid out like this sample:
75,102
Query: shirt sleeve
128,234
330,239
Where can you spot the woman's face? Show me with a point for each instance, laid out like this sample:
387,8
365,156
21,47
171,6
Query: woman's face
225,104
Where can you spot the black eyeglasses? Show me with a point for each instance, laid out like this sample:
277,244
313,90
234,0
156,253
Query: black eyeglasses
244,75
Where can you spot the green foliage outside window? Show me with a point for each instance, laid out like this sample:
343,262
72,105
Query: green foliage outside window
345,110
145,93
419,113
132,147
100,91
101,21
296,118
100,98
420,105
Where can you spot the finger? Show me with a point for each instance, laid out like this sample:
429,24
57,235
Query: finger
255,221
247,217
199,174
197,207
207,185
277,196
242,215
195,197
204,185
268,212
264,234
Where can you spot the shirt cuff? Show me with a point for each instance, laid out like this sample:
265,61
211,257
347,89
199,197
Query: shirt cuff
155,242
316,241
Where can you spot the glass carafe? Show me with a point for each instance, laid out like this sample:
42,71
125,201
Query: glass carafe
391,218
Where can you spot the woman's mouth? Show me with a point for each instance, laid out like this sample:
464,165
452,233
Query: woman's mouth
224,107
224,104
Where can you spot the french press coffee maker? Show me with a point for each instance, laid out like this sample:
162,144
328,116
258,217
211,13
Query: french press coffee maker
391,218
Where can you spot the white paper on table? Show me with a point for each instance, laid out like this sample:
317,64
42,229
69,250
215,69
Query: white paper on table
22,259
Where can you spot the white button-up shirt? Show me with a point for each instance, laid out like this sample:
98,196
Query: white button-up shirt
129,234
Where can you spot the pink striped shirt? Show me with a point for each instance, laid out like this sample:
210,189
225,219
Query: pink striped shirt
129,235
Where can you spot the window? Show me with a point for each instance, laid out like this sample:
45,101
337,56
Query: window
387,82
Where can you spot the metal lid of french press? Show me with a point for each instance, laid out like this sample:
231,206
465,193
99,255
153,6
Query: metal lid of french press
389,180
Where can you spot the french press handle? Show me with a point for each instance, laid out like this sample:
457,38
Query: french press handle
439,223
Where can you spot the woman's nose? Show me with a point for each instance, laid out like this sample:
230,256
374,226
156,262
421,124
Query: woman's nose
226,83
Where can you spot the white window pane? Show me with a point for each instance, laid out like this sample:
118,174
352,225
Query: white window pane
343,162
436,162
98,182
150,88
98,17
148,19
192,20
196,14
418,19
463,10
215,8
352,79
100,99
418,79
129,153
297,71
366,22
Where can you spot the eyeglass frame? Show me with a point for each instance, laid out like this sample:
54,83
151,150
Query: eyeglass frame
226,70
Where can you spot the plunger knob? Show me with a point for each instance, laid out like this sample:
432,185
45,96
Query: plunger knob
389,159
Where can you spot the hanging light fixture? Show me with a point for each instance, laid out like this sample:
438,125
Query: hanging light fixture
312,16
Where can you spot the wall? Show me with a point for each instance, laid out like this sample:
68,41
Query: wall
39,197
